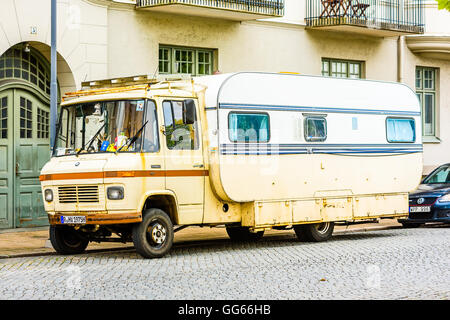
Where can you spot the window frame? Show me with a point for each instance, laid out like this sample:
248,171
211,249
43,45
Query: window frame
60,126
347,62
196,126
195,52
269,134
400,118
305,119
422,92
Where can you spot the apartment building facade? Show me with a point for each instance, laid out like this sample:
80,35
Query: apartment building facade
393,40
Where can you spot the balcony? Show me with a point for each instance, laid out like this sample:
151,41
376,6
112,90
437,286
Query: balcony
370,17
239,10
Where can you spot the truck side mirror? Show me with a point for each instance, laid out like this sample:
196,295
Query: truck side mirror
189,111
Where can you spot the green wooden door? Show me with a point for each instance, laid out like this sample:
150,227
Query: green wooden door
31,152
6,160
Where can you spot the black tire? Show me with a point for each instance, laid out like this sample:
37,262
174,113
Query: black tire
243,234
66,240
410,224
316,232
153,237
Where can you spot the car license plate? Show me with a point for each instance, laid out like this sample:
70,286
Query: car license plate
420,209
73,219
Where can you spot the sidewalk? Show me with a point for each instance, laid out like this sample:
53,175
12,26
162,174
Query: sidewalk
33,241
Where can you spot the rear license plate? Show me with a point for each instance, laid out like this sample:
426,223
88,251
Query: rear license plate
73,219
420,209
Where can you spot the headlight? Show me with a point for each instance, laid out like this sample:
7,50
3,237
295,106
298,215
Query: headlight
115,193
445,198
48,195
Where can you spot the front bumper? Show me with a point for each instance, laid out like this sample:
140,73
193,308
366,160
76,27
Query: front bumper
99,218
441,220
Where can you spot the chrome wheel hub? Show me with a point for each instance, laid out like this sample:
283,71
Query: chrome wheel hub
323,227
158,233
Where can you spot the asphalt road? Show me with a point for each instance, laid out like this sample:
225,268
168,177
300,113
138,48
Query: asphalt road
385,264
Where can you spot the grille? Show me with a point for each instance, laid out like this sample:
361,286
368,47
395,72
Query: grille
78,194
427,201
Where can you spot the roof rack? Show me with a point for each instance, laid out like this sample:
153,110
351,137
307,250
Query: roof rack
133,80
130,83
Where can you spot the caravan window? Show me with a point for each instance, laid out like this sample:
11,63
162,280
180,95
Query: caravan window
315,129
248,127
400,130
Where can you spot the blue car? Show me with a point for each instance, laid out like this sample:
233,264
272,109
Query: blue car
431,201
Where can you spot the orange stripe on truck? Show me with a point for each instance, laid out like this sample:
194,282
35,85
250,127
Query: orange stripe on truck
123,174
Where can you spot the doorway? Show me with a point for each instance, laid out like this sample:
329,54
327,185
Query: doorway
24,150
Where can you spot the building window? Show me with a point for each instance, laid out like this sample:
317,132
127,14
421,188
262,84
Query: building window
26,108
342,68
4,118
426,92
185,60
42,124
18,64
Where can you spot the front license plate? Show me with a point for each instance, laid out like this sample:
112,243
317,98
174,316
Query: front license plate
73,219
420,209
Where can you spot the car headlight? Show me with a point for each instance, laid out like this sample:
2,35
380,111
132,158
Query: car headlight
115,193
48,195
445,198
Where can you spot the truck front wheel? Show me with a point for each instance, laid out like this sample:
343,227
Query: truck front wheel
153,237
66,240
243,234
314,232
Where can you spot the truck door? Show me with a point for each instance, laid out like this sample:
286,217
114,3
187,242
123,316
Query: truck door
185,169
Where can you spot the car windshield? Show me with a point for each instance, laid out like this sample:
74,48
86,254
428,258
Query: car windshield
107,127
441,175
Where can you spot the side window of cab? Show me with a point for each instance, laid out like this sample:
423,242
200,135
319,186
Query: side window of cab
180,125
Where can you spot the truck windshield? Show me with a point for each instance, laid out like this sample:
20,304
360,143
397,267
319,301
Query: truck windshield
107,127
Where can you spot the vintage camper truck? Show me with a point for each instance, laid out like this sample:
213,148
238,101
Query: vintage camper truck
138,159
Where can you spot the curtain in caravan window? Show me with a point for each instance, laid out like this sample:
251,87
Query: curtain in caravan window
248,127
400,130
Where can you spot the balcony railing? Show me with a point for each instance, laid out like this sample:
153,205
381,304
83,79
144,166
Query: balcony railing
404,16
268,8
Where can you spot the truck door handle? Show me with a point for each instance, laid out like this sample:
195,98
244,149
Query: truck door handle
156,166
198,165
17,168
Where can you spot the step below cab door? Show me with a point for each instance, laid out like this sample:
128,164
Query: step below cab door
184,164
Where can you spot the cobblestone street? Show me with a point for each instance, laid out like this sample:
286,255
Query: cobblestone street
388,264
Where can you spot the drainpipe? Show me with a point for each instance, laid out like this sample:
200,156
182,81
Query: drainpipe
53,81
400,57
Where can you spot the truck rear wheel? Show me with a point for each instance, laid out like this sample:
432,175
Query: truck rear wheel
243,234
66,240
314,232
153,237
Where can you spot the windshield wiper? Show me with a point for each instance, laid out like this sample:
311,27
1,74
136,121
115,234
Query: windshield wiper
134,138
92,139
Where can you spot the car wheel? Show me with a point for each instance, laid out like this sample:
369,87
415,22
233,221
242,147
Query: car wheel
66,240
153,237
314,232
243,234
